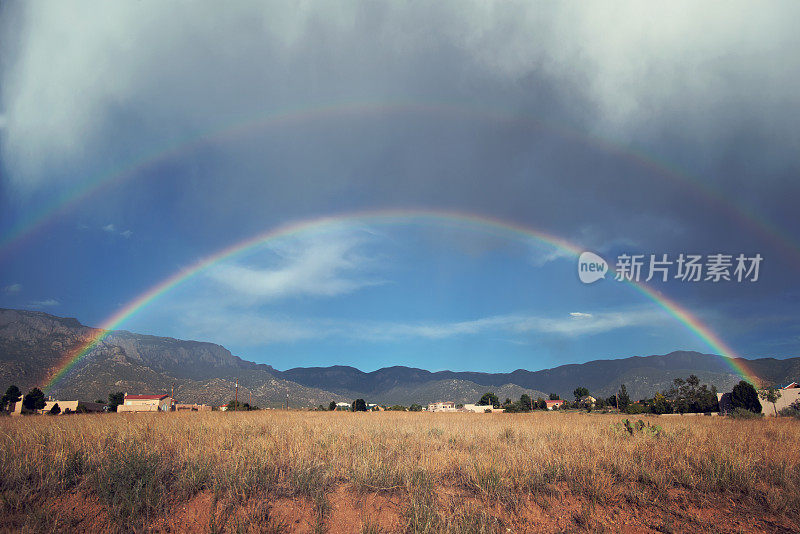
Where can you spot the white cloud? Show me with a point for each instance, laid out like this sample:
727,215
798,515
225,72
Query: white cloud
46,303
323,265
255,328
13,288
570,326
111,228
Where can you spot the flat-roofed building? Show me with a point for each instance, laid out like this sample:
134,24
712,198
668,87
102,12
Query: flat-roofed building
480,408
446,406
73,406
554,404
192,408
146,403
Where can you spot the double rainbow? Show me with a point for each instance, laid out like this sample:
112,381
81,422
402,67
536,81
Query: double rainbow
466,220
250,123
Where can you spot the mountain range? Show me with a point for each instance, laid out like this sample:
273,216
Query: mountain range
33,345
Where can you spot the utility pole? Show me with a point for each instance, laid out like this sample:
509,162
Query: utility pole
287,400
236,398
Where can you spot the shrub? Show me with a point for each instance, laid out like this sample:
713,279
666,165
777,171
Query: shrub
793,410
635,409
741,413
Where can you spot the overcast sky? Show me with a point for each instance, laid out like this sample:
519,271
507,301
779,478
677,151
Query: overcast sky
631,127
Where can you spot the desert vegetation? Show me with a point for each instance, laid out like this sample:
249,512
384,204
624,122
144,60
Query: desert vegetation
279,471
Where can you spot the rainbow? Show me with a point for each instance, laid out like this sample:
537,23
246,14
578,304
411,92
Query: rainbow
466,220
29,226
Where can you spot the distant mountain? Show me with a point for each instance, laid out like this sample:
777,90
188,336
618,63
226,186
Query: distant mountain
642,375
33,345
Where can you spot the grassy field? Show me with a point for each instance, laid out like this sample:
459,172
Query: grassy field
275,471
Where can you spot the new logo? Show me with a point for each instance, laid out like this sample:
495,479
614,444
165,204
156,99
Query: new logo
591,267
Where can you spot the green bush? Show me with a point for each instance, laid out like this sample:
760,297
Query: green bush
743,413
793,410
635,409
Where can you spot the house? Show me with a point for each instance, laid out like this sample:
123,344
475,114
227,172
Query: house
446,406
192,408
554,404
15,408
343,406
73,406
146,403
790,394
476,408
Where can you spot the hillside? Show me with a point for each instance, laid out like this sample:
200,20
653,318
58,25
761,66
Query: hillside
32,345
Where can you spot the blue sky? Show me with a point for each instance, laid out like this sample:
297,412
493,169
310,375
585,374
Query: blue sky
666,130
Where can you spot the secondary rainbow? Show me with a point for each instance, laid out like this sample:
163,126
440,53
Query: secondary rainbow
250,123
469,220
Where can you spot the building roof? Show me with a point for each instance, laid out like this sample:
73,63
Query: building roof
793,385
554,401
145,397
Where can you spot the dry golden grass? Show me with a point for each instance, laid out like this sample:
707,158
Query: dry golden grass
386,472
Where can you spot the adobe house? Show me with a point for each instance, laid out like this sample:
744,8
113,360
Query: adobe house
73,406
554,404
447,406
146,403
193,408
477,408
789,394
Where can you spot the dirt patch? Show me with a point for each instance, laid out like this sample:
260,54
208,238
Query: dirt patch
356,511
348,510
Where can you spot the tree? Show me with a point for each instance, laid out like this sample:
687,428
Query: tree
623,400
359,405
554,396
580,392
12,395
772,395
114,400
541,404
744,396
415,408
238,406
332,406
525,403
660,404
34,400
489,399
689,396
55,410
